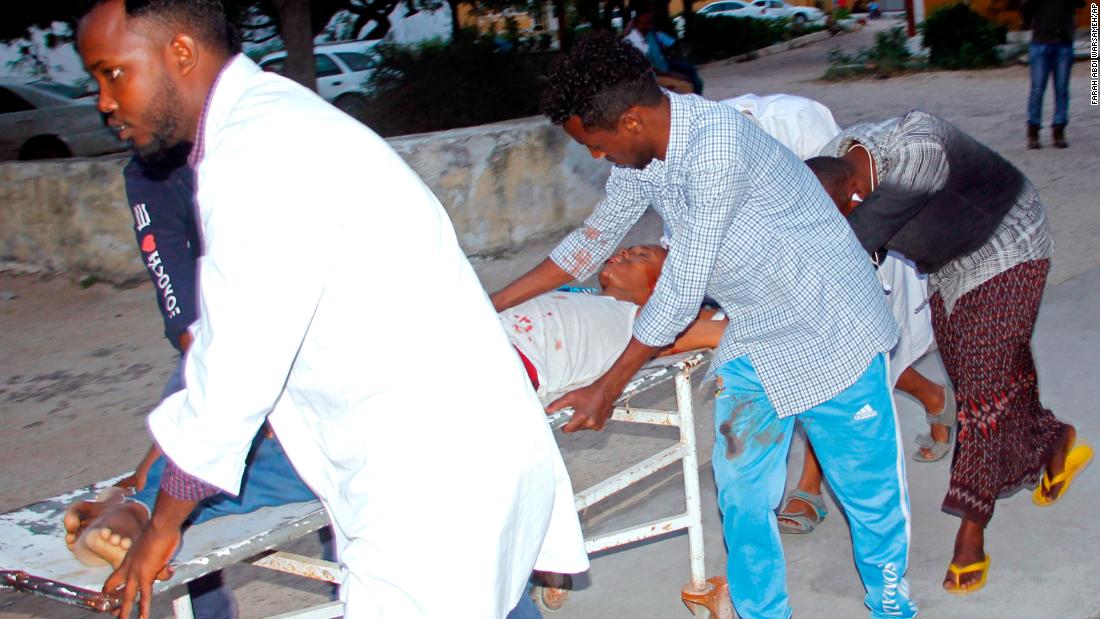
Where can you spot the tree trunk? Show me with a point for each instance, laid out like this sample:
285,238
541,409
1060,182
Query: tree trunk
456,25
294,27
564,34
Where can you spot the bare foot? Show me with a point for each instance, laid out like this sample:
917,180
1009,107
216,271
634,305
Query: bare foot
969,549
100,532
1057,462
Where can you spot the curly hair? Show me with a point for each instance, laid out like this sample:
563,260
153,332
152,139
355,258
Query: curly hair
597,80
205,18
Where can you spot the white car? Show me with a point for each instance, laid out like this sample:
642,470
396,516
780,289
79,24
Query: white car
723,8
42,120
342,70
778,9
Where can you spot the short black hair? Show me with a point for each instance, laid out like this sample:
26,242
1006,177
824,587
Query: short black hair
597,80
833,172
205,19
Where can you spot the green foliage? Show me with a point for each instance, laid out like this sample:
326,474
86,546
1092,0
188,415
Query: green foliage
889,55
842,12
713,38
959,38
438,85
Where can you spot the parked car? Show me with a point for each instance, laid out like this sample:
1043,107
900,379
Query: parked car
341,68
778,9
42,120
723,8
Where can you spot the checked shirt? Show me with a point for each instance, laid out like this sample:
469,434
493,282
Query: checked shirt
753,229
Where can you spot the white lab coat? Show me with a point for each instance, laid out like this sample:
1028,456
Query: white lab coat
336,302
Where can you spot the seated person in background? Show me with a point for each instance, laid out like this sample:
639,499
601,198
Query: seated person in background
643,34
567,340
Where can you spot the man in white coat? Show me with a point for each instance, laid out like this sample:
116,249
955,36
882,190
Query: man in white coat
418,431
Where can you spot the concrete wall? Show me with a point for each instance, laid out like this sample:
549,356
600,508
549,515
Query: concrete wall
502,184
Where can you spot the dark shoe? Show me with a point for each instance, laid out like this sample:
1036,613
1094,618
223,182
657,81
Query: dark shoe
1059,132
1033,137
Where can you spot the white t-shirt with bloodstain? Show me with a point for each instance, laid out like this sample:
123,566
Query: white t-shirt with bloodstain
571,338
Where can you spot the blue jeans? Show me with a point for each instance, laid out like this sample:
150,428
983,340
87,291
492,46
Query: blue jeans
269,480
856,438
1044,59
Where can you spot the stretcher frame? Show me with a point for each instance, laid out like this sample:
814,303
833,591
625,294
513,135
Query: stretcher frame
208,547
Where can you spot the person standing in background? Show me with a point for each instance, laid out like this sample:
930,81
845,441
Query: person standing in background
1050,52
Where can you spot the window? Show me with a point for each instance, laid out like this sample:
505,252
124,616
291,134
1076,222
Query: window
775,4
11,102
325,66
355,62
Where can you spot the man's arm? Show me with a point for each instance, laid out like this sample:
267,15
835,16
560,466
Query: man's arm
546,276
147,560
592,405
583,251
705,332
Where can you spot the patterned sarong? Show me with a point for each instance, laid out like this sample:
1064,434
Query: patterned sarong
1004,434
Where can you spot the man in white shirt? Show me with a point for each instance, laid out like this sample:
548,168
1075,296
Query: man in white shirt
291,331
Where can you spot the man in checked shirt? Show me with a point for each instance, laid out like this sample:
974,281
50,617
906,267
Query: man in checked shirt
809,327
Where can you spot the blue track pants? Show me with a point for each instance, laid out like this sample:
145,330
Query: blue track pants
856,438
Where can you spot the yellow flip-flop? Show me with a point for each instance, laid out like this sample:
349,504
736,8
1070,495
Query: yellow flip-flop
1078,458
959,572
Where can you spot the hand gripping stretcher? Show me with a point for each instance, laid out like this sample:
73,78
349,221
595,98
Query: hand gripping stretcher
34,559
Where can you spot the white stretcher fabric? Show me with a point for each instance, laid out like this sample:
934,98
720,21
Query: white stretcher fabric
571,338
437,468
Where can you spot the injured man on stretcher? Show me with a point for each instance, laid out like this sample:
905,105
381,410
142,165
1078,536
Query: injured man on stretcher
566,340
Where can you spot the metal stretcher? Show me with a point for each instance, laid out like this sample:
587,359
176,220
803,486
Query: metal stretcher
34,559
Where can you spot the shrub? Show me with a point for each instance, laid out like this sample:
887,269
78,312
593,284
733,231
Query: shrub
472,80
713,38
959,38
889,55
